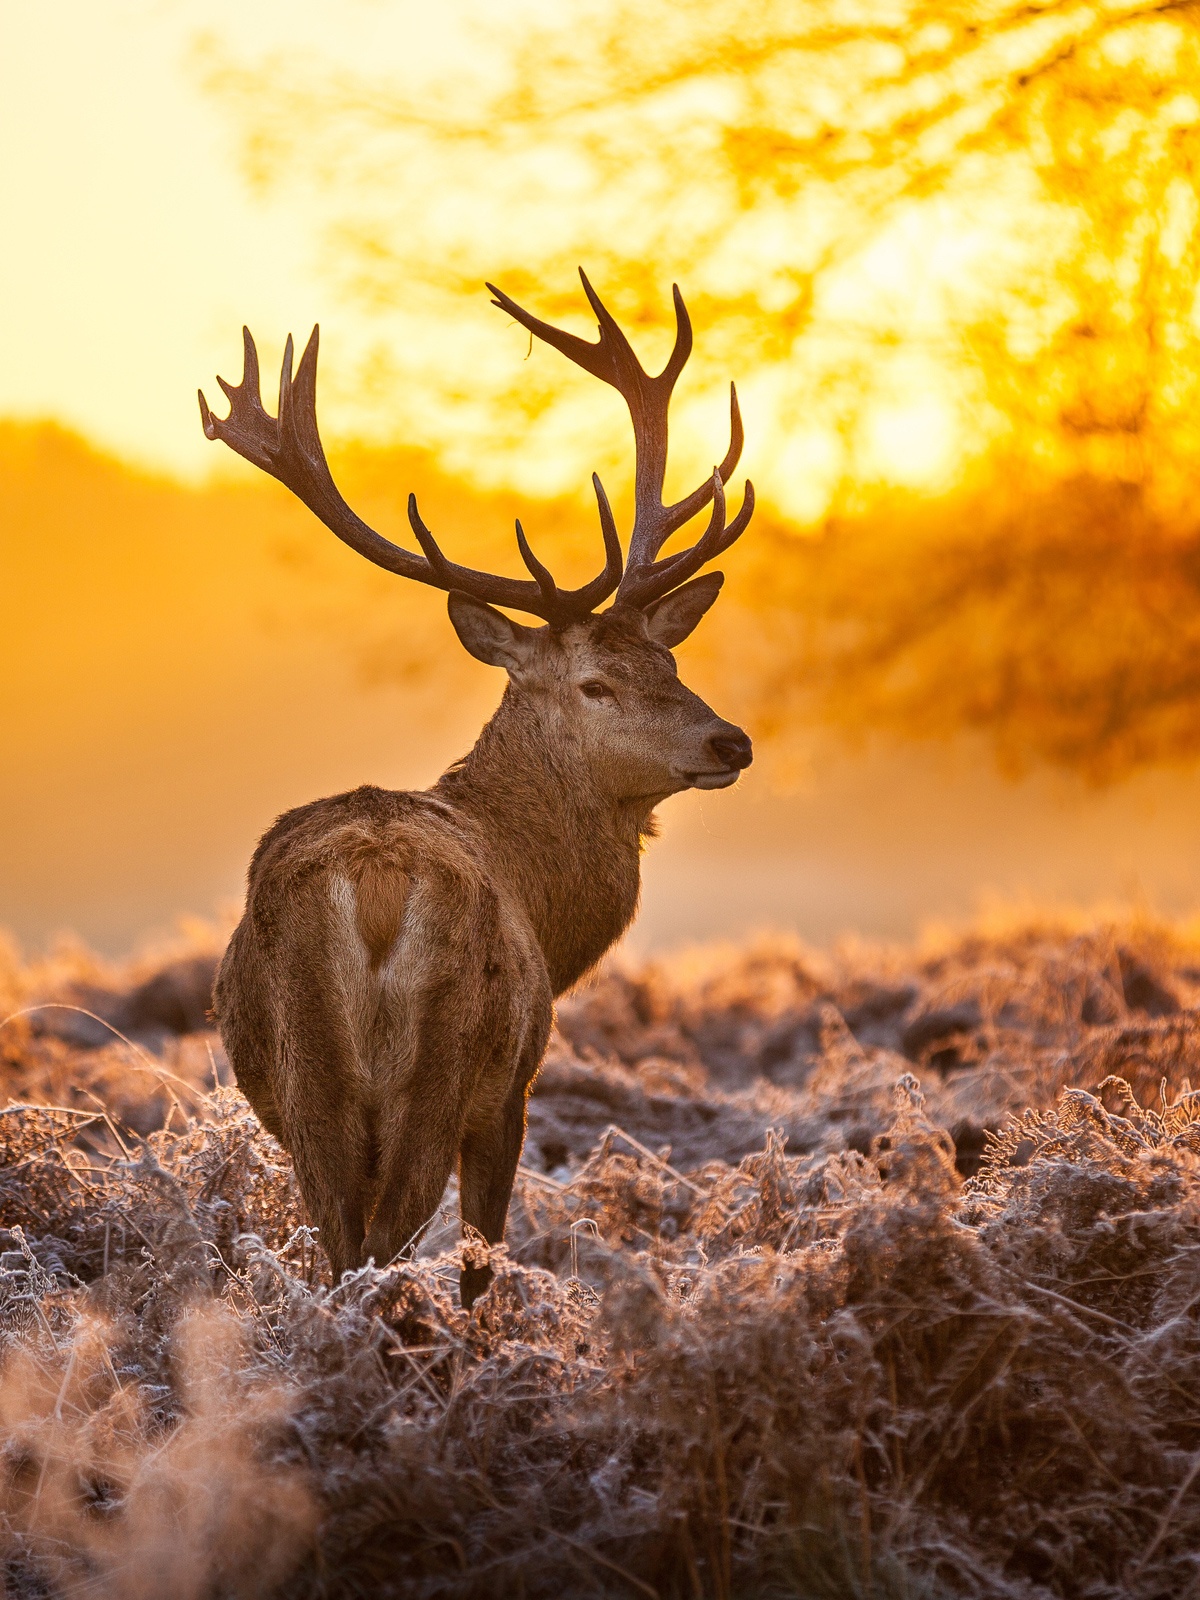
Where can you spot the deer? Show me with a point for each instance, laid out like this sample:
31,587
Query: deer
387,996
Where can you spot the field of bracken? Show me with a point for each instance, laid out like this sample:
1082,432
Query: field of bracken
866,1273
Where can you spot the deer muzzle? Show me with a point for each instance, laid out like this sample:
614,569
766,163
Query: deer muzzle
730,751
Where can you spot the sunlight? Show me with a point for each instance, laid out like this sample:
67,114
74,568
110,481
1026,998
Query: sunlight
938,263
914,443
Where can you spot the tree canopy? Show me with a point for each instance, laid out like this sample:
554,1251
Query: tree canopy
948,251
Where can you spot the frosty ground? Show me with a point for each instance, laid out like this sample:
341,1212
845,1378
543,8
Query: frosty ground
873,1272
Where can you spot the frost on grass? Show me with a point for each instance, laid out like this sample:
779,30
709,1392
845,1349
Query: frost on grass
869,1274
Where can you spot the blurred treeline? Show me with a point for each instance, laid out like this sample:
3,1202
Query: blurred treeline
948,250
179,665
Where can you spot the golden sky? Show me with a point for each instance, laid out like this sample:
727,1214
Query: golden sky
133,252
853,212
187,651
140,250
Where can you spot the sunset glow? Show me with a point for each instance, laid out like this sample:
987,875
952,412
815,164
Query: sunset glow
140,147
600,902
949,257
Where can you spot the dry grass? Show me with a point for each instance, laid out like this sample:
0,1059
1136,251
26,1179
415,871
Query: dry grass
752,1334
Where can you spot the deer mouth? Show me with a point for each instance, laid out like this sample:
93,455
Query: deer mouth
713,780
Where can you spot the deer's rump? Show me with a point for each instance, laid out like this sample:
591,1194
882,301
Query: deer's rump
379,1000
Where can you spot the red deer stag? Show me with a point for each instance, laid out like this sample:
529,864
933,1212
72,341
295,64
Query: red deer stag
387,996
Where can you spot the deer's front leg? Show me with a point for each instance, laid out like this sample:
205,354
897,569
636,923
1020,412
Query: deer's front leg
491,1150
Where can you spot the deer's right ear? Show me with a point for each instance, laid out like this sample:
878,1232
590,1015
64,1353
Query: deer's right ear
489,635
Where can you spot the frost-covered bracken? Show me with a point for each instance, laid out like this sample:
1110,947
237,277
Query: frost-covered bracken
873,1273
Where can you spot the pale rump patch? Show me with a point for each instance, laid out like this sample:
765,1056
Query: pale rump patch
375,971
352,971
344,901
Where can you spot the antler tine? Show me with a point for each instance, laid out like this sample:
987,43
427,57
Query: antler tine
646,584
612,360
428,544
650,579
682,347
593,358
579,602
541,574
674,517
248,428
298,400
604,583
288,446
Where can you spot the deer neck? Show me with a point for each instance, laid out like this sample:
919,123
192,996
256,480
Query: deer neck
570,853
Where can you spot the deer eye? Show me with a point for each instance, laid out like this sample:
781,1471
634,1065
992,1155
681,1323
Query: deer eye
594,690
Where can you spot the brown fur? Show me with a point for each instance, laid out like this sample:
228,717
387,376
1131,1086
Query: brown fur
387,996
381,892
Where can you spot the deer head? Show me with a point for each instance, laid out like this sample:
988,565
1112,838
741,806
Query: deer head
602,685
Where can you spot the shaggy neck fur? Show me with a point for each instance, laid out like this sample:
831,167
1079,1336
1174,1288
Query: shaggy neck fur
570,852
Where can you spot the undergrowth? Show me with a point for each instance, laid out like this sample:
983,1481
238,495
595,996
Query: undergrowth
872,1274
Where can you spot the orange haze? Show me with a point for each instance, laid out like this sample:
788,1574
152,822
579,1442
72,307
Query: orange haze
181,664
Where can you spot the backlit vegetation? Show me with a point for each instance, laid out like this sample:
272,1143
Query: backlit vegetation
772,1317
948,251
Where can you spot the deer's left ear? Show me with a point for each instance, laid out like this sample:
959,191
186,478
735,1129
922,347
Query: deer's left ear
670,620
489,635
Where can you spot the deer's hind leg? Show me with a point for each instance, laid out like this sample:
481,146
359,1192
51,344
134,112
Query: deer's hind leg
242,1002
489,1157
416,1156
324,1091
419,1060
291,1046
330,1139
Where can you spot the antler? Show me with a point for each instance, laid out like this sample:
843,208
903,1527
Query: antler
612,360
288,446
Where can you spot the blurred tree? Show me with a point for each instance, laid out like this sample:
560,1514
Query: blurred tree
949,247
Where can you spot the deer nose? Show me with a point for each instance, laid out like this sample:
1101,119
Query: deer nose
732,749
